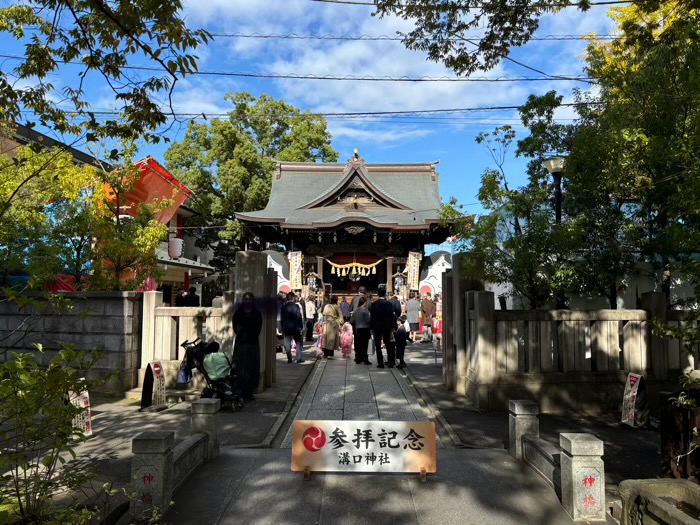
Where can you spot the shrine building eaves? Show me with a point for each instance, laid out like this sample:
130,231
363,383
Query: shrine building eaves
316,195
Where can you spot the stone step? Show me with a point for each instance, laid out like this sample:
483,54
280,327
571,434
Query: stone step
172,395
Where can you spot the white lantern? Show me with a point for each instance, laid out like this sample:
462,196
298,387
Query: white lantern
175,248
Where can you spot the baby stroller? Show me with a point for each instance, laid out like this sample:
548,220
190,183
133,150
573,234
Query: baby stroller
217,369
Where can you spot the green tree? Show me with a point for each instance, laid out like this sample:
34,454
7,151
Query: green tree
29,182
100,38
442,28
516,242
126,233
229,163
649,87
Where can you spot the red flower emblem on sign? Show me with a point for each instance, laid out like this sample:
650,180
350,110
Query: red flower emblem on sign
313,438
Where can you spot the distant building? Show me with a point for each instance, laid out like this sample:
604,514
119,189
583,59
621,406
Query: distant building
433,267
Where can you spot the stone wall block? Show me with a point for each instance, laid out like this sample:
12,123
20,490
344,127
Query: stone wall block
205,419
151,471
582,476
523,420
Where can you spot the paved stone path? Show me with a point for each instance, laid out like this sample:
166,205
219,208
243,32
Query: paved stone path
342,389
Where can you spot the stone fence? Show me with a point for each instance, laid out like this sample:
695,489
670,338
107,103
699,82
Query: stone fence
106,321
574,469
159,467
566,360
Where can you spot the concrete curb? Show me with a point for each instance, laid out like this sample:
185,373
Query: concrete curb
272,433
442,423
306,401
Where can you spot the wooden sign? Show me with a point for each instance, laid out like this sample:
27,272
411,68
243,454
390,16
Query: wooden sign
83,420
364,446
413,270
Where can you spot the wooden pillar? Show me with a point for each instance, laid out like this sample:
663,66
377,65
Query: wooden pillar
319,267
389,273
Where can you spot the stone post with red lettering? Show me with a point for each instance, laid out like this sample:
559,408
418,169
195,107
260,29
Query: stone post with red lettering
151,471
582,476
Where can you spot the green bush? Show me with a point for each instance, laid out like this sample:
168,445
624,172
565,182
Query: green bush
37,424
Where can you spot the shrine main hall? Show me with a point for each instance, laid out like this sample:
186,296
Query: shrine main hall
352,224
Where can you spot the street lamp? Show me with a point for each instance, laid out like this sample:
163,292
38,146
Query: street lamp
555,166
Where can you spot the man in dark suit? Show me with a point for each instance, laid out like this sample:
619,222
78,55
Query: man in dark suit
383,320
292,325
192,299
396,304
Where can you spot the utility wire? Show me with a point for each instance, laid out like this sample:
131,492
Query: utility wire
452,6
388,38
363,78
350,114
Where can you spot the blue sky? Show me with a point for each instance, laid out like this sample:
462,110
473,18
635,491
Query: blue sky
416,139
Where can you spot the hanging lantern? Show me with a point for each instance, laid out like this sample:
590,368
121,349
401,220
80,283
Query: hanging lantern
374,270
345,272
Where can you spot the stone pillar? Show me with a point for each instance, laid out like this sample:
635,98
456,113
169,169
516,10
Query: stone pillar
152,471
151,300
485,347
251,276
389,273
224,334
268,341
459,289
582,476
655,305
205,419
448,364
523,420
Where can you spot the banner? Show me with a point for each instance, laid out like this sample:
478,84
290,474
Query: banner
295,269
83,420
635,405
364,446
413,270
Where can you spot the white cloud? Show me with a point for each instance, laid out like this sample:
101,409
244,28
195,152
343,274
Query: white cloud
367,58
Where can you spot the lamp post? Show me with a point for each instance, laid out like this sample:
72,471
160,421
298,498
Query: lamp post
555,166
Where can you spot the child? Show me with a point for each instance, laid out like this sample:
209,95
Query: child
318,328
401,337
346,340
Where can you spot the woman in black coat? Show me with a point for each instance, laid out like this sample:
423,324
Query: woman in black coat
247,324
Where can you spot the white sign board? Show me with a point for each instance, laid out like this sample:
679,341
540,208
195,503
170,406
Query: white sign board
364,446
630,398
158,384
82,420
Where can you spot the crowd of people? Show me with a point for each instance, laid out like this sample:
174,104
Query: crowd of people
355,324
343,323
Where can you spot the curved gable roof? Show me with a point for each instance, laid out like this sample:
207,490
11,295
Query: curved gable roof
302,193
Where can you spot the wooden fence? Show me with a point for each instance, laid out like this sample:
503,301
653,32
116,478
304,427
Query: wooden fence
563,359
165,328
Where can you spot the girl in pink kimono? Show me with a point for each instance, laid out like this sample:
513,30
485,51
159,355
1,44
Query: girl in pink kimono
346,340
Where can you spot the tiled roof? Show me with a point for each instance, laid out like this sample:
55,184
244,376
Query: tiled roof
297,186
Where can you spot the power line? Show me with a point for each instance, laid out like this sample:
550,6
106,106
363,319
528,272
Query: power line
474,6
386,38
353,78
344,115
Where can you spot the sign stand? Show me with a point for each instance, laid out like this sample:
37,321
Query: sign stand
374,447
153,391
635,403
